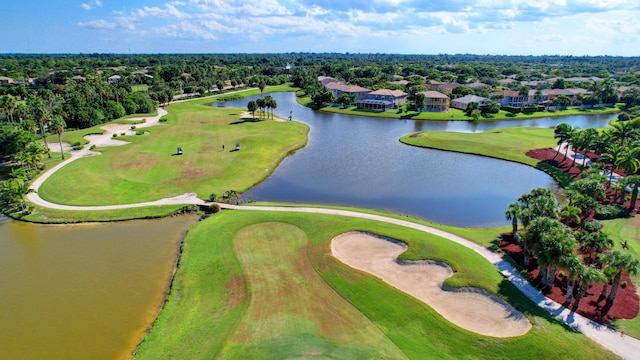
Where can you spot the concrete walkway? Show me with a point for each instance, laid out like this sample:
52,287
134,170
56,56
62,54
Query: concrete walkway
622,345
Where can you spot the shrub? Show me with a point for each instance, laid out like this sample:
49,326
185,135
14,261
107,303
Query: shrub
163,119
114,136
92,147
77,143
133,127
77,147
122,134
623,284
591,226
213,197
140,132
612,211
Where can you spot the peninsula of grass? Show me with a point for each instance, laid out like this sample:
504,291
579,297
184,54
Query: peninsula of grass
44,215
148,168
254,284
505,143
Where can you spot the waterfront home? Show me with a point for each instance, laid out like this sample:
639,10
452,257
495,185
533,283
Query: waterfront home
435,101
463,102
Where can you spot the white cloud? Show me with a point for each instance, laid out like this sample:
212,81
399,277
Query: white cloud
91,5
98,24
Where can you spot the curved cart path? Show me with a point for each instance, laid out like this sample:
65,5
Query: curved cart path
625,346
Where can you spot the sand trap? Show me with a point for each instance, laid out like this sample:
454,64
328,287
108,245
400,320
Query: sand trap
472,309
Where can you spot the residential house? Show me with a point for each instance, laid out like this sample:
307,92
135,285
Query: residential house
338,88
383,99
463,102
513,98
78,78
436,101
324,80
114,79
571,93
445,88
5,80
398,97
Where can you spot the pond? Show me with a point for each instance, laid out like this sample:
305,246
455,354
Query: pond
83,291
358,161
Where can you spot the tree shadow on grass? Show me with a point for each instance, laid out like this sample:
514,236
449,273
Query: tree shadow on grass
246,120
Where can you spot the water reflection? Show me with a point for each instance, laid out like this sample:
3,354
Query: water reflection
358,161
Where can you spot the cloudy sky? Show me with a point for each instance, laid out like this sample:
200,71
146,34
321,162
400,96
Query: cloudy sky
520,27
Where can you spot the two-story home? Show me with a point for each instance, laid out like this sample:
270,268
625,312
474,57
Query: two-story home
383,99
436,101
338,88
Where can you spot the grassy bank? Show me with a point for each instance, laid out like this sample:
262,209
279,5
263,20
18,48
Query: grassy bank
264,285
452,114
146,169
507,144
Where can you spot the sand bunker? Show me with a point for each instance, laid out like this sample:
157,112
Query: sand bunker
472,309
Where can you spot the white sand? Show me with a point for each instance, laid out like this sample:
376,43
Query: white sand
476,311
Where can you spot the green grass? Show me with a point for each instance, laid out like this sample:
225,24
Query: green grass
139,87
627,229
146,170
227,299
52,216
507,144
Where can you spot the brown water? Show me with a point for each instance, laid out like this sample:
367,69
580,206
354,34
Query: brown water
83,291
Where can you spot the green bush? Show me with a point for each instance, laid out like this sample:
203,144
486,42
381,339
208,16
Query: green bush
163,119
77,147
591,226
114,136
613,211
77,143
140,132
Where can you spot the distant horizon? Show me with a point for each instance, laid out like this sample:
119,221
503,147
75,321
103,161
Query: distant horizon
315,52
588,28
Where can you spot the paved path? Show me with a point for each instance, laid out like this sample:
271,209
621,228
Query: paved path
622,345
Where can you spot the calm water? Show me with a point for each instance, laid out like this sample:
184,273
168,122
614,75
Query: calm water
83,291
358,161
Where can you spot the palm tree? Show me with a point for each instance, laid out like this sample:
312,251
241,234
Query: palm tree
42,116
571,213
610,156
620,262
628,159
622,131
8,104
261,105
59,125
562,132
633,181
512,214
587,275
251,106
594,242
573,264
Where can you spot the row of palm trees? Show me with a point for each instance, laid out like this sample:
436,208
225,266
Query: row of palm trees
547,236
617,147
267,103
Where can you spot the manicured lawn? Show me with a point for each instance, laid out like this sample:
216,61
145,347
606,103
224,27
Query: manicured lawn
264,285
53,216
626,230
146,170
507,143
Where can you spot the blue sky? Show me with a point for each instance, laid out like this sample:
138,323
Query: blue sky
511,27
